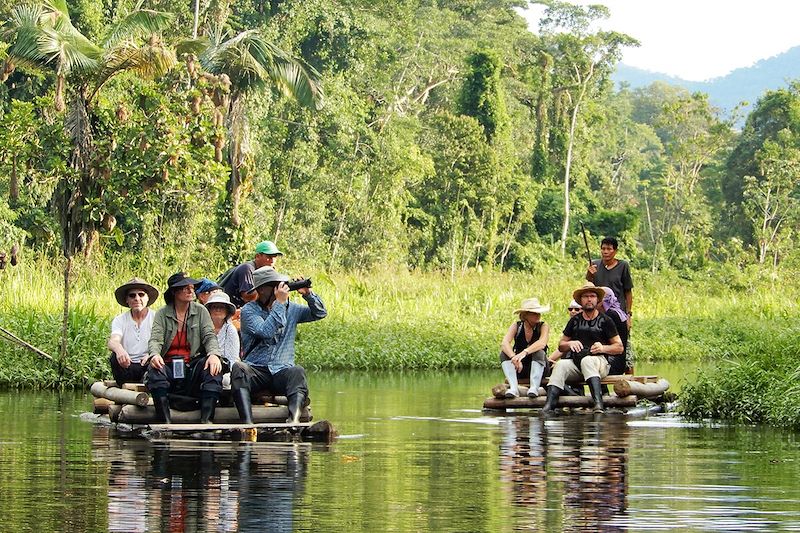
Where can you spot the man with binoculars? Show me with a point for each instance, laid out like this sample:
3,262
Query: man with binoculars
269,327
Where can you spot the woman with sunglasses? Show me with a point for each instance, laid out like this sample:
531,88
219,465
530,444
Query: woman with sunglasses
184,353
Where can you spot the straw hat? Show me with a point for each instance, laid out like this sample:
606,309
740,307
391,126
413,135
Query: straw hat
223,299
588,287
121,294
532,305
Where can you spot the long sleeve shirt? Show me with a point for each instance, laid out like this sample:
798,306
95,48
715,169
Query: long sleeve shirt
268,334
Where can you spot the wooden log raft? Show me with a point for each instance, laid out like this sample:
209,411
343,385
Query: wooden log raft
642,390
99,390
101,406
563,401
131,414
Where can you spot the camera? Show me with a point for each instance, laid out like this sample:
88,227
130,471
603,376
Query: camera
299,284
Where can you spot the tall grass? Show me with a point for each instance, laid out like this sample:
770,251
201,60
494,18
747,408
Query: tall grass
395,319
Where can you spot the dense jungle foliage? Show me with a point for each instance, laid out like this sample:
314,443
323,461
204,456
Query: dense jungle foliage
444,141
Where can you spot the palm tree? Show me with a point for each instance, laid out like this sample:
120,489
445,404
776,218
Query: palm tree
251,63
42,37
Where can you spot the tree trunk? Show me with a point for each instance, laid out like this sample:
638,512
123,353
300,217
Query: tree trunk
567,167
62,351
13,186
196,18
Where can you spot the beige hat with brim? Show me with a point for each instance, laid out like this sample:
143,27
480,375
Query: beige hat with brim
221,298
588,287
121,294
532,305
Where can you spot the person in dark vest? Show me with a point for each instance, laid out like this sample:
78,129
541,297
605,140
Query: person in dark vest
184,353
239,284
524,348
588,339
269,327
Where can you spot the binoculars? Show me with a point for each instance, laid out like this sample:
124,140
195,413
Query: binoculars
299,284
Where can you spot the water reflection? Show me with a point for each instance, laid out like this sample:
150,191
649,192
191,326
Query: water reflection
194,486
572,469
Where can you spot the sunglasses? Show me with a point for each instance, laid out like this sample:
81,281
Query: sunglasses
135,294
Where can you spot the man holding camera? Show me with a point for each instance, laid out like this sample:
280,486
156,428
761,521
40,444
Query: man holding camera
269,327
588,338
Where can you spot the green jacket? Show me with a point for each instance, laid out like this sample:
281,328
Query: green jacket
202,339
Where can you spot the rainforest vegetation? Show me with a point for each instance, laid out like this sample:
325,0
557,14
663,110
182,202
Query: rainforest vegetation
429,162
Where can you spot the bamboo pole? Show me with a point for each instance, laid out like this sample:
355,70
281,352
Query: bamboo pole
16,340
132,414
642,390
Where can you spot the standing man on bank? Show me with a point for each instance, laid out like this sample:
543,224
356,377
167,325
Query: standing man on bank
614,273
239,284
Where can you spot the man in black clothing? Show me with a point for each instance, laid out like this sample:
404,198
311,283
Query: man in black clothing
612,272
588,338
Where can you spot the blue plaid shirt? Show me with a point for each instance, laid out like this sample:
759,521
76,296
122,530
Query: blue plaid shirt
268,334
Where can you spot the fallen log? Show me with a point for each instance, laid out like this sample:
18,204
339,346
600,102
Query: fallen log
499,391
132,414
642,390
101,406
99,390
563,401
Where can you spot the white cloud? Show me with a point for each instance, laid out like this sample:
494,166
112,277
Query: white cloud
699,39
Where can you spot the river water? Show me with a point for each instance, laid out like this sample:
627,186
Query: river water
415,454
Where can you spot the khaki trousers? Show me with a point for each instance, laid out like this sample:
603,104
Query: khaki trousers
592,366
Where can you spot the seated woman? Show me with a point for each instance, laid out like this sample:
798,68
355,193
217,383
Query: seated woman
221,310
184,354
613,309
524,348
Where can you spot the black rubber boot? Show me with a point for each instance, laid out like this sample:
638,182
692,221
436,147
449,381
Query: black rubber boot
597,394
208,404
161,404
296,408
573,390
550,405
241,399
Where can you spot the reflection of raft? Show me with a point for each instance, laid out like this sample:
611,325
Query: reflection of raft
130,409
629,391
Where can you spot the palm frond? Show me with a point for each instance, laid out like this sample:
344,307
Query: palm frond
149,61
67,50
193,46
299,81
57,5
136,25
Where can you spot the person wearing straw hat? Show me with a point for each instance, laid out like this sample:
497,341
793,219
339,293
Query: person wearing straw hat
130,331
238,284
588,339
221,310
269,327
184,354
524,348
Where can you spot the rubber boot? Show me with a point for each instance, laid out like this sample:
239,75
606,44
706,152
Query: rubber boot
161,404
208,404
511,375
550,405
537,371
597,393
296,408
241,399
573,390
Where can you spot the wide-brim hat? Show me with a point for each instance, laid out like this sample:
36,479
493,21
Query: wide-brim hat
588,287
267,248
267,274
223,299
180,279
121,294
532,305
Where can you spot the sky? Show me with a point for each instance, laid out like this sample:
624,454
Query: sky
699,39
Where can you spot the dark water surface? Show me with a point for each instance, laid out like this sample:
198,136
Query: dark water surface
415,454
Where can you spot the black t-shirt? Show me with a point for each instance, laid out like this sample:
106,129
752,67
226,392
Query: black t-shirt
618,279
240,281
600,329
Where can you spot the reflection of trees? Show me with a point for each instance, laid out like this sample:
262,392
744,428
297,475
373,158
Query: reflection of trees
191,486
573,469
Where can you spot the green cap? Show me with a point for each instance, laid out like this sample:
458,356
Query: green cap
267,248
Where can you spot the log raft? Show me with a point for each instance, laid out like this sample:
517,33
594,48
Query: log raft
628,391
131,406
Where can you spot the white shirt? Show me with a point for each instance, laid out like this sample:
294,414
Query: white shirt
134,336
